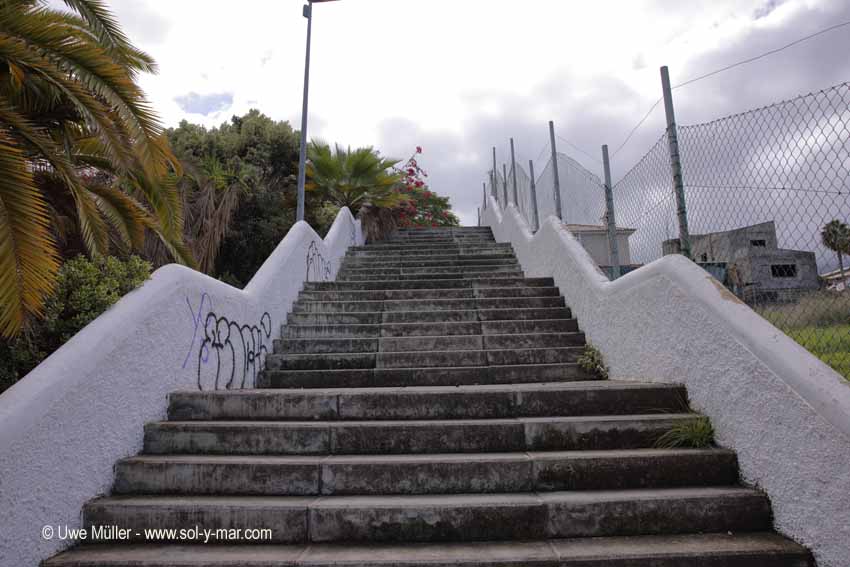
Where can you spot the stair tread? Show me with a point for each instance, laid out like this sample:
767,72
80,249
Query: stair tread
545,552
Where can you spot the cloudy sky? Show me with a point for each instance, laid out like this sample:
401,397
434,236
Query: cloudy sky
460,76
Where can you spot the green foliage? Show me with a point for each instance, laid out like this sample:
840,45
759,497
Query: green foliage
239,192
84,290
71,108
423,207
694,434
359,179
591,361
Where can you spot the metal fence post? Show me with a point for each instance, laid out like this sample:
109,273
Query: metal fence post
505,180
555,171
534,215
613,249
479,215
485,194
493,189
676,165
513,173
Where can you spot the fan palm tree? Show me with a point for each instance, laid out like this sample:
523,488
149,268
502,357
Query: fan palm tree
359,179
836,236
70,107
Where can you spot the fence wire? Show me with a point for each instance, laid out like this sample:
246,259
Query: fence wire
767,197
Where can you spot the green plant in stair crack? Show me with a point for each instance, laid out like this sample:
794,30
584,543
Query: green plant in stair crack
694,434
591,361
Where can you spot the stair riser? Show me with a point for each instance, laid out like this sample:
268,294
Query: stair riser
463,404
368,271
433,275
381,264
303,306
401,437
428,284
385,377
429,294
444,315
497,474
520,519
416,252
448,343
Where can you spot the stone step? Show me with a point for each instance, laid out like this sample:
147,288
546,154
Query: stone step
443,376
422,359
410,344
754,549
461,261
452,283
366,269
433,275
424,474
430,402
414,248
435,240
425,294
409,436
307,306
375,330
416,253
423,316
432,518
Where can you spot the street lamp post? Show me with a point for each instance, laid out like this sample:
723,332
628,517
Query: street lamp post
302,160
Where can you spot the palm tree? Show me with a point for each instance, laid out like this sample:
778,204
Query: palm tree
358,179
836,236
69,109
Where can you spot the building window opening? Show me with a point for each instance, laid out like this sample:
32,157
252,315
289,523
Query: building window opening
758,243
783,270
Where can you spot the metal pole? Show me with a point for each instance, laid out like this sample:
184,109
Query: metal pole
479,215
558,210
485,194
613,249
513,173
493,188
302,159
505,179
535,217
676,165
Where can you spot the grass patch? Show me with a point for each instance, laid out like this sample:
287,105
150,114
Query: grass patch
694,434
820,322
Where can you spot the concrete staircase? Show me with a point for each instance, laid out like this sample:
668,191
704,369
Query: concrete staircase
426,409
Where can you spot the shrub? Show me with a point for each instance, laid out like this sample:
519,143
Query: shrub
85,289
423,207
591,361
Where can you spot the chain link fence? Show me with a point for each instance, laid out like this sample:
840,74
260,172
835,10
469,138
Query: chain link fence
766,196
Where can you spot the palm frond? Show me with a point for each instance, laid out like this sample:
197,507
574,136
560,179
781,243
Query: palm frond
28,257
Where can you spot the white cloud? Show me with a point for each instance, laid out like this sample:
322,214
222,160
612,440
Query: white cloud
459,77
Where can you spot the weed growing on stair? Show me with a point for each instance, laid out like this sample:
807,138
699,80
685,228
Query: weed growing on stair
591,361
694,434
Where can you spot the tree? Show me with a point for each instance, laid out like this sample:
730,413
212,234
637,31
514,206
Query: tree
359,179
836,236
70,109
423,206
238,192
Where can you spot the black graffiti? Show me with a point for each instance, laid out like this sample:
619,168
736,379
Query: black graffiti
238,349
318,268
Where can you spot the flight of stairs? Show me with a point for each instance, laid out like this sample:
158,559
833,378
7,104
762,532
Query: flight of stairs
426,408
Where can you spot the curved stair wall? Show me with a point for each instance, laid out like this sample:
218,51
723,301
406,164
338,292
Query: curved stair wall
66,423
785,413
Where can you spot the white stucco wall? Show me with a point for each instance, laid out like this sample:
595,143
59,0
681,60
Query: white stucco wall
785,413
65,424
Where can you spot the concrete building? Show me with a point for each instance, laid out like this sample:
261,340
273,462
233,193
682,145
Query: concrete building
757,270
594,239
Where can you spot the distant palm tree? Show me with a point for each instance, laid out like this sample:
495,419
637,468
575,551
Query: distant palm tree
70,109
836,236
358,179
